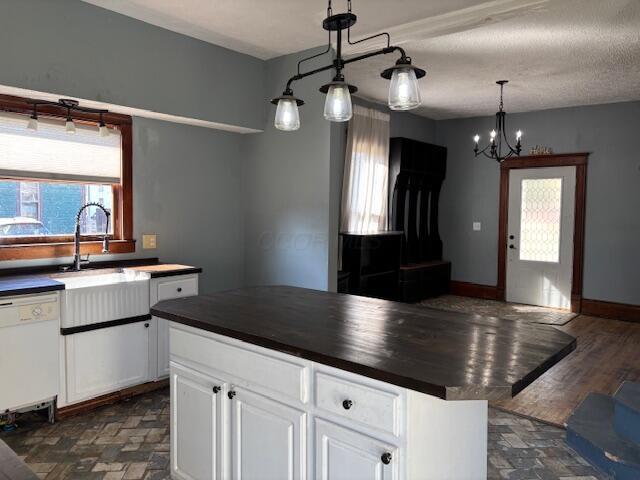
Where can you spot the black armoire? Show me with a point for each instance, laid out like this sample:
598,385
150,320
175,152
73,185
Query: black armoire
416,172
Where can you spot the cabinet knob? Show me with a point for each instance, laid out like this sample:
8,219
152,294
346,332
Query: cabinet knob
146,325
386,458
347,404
216,389
231,394
179,289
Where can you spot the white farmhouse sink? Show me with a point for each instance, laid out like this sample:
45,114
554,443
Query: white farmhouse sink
96,297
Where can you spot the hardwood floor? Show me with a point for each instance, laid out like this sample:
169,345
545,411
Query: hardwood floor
607,354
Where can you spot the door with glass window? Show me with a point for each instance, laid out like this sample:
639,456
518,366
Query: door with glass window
540,236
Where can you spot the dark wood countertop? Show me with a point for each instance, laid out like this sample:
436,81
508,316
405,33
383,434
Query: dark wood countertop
450,355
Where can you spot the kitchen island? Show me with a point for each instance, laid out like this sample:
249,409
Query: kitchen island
290,383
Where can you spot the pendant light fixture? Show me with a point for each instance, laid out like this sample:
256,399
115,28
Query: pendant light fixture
102,127
69,126
404,93
70,105
33,120
498,136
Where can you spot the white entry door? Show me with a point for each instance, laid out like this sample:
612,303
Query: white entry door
540,236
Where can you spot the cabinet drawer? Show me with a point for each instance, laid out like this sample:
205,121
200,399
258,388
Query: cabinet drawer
364,404
262,372
177,288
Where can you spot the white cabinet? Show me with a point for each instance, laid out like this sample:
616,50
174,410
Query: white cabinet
267,438
106,360
168,288
344,454
282,417
196,427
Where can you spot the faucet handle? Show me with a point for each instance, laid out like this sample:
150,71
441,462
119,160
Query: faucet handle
85,260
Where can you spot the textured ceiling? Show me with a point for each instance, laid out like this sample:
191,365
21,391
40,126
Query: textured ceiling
571,52
554,52
269,28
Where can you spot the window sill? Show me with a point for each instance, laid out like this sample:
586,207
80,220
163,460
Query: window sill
64,249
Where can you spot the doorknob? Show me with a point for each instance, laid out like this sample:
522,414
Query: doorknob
386,458
512,246
511,237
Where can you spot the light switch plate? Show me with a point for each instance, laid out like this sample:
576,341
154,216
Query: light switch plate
477,226
149,241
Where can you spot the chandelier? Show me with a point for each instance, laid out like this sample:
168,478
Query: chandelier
498,137
403,88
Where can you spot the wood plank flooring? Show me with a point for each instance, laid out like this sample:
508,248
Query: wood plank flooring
607,354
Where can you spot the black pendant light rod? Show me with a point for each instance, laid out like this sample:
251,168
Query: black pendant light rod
403,88
337,23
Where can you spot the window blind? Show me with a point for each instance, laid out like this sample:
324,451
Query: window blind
51,153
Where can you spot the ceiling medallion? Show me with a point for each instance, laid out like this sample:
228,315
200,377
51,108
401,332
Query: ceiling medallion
498,137
404,93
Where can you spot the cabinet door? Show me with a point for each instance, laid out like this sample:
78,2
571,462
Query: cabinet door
167,289
343,454
196,429
268,438
106,360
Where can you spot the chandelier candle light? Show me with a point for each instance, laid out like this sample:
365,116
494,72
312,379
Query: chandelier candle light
498,136
404,93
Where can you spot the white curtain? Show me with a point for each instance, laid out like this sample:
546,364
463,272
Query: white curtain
366,170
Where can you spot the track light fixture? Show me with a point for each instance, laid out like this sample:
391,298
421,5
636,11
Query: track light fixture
404,93
70,105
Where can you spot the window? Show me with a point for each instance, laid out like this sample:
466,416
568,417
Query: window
46,175
364,190
540,219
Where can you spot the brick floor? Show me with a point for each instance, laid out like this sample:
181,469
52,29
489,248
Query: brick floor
130,441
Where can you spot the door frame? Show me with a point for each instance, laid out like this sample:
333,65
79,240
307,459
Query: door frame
579,160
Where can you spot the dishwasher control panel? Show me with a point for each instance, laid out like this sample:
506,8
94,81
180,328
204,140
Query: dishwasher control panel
28,309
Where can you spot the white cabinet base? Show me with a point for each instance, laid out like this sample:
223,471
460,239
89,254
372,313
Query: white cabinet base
264,435
106,360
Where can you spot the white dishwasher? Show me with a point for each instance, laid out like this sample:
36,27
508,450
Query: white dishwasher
29,343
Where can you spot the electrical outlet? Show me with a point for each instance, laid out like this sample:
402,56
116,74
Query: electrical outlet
149,241
477,226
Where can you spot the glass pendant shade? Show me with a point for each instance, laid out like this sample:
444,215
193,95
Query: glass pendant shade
404,93
69,126
337,106
33,124
287,115
104,131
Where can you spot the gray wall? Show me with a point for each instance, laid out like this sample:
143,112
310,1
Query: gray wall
72,48
287,186
188,190
471,193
